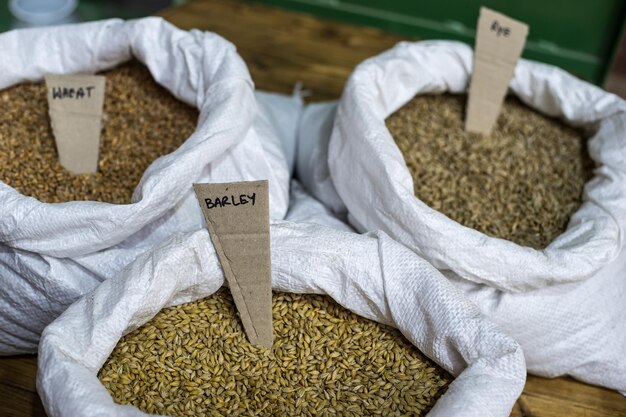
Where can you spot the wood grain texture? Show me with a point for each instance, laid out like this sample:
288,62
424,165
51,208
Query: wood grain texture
18,393
282,48
566,397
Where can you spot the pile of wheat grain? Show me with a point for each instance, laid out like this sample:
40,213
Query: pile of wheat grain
141,122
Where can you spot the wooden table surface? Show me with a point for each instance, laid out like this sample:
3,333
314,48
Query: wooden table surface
282,48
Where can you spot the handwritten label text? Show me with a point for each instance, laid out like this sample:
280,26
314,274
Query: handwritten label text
59,93
500,30
230,200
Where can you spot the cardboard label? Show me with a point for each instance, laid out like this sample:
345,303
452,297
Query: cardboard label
238,219
499,44
75,106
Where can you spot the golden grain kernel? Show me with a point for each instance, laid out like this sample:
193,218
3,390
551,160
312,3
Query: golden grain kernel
333,376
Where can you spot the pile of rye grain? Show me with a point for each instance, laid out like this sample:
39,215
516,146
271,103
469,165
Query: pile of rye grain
521,183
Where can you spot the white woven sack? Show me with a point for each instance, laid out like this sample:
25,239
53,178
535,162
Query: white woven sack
50,254
565,304
371,275
304,208
316,126
363,157
283,113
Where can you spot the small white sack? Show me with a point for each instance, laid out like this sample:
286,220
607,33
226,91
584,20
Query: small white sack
283,114
316,126
51,254
577,327
303,208
371,275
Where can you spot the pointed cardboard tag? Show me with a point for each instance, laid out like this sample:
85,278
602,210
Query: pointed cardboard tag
75,107
499,44
237,215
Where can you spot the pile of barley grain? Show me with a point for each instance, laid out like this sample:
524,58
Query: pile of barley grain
521,183
194,360
141,122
